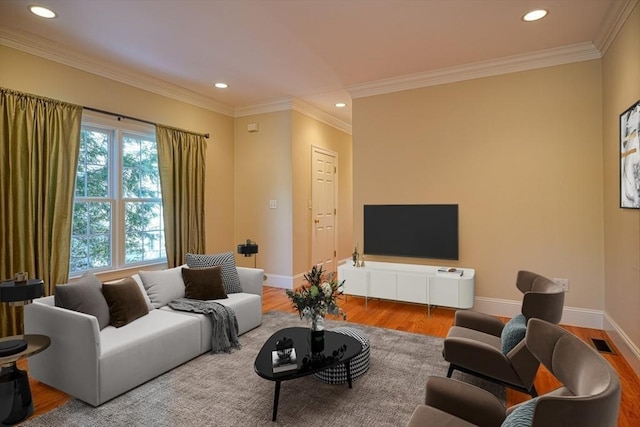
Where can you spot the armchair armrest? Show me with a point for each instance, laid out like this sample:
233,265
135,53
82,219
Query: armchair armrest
71,362
464,401
480,357
479,322
251,280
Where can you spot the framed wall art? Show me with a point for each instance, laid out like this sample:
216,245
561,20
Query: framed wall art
630,157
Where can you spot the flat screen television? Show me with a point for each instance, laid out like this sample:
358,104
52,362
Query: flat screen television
419,231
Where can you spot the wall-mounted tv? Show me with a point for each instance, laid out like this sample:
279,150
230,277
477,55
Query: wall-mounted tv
420,231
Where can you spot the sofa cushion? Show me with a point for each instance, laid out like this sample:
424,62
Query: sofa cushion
125,302
522,416
513,332
84,296
144,349
163,286
226,260
203,283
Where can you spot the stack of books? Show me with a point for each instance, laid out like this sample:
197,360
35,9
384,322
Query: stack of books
283,365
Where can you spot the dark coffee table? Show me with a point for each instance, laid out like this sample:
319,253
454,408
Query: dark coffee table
321,361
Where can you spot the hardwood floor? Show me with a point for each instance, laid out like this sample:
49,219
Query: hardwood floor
413,318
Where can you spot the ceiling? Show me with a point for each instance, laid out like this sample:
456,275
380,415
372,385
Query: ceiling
313,52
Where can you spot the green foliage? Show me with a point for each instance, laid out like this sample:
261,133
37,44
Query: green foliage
319,296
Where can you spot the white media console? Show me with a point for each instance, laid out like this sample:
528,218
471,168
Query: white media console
422,284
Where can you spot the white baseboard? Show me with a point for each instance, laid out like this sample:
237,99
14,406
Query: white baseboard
629,351
585,318
279,281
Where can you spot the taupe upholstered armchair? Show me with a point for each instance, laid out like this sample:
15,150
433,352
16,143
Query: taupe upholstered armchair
484,346
589,395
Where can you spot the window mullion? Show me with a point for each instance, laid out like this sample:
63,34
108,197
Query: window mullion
118,224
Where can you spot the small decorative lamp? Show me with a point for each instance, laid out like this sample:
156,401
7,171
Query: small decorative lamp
248,249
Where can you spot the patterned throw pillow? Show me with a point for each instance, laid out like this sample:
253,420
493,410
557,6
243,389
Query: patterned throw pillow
513,332
522,416
226,260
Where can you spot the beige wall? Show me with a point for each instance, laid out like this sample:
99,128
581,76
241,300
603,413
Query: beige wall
28,73
522,156
244,170
307,133
621,88
275,164
263,173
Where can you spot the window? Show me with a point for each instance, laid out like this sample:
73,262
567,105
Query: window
117,211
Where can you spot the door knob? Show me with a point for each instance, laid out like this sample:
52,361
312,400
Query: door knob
317,221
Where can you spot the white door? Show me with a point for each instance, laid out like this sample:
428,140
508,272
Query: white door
323,195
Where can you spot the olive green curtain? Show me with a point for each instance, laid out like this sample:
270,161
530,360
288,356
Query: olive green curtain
181,160
39,143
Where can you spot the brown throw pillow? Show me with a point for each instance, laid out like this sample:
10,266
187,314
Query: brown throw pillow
125,301
203,283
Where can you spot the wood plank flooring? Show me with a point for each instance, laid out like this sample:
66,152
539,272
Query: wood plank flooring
413,318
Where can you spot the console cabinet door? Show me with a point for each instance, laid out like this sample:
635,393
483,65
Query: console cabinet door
443,291
412,287
382,284
355,281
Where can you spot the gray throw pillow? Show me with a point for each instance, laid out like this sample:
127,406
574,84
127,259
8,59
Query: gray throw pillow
163,286
125,302
226,260
84,296
513,332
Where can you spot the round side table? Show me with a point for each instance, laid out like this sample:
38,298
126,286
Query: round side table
16,403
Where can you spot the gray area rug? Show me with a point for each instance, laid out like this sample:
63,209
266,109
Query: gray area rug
224,390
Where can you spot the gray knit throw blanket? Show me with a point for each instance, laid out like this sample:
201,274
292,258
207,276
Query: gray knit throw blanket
224,325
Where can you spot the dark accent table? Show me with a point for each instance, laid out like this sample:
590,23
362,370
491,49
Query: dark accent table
21,293
16,403
324,360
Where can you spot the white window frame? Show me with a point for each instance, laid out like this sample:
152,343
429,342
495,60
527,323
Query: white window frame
118,129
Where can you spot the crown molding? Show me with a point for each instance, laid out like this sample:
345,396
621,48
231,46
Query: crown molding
297,105
321,116
45,49
613,22
510,64
268,107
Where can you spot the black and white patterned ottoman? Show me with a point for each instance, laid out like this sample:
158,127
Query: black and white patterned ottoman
359,364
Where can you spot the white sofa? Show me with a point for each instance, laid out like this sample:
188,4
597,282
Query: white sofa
97,365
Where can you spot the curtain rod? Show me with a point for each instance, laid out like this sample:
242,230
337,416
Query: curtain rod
122,116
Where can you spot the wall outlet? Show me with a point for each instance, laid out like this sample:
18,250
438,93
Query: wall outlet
562,282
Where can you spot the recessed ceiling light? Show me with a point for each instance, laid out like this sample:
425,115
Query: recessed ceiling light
340,104
221,85
534,15
42,12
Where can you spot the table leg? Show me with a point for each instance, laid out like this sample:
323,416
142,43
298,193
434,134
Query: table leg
15,396
347,365
276,397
